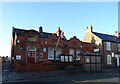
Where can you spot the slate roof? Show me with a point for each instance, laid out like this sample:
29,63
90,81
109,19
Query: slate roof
64,38
18,31
45,34
42,34
107,37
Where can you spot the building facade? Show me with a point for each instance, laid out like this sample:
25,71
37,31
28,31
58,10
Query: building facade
107,45
31,46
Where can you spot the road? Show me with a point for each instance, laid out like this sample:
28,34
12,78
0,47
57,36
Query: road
107,77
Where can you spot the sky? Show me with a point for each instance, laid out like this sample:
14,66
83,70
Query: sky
72,17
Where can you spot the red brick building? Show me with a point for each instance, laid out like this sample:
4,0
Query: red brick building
39,50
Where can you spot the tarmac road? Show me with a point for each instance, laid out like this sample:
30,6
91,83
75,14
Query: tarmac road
102,78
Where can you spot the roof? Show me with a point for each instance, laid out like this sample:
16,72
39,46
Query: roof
107,37
21,31
18,31
42,34
64,38
45,34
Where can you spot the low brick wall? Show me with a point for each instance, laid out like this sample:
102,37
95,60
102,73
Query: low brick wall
38,66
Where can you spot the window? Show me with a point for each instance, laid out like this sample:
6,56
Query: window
108,46
58,52
72,52
108,59
62,58
119,47
70,59
28,54
50,53
31,51
66,58
31,48
77,56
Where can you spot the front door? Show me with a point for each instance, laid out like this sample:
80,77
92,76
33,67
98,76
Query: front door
31,56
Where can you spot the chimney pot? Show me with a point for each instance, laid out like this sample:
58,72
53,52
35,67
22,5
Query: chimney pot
58,28
89,29
40,29
117,33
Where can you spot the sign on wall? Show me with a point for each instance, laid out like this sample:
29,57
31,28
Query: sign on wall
18,57
96,50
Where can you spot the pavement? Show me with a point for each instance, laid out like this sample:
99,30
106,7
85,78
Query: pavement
9,74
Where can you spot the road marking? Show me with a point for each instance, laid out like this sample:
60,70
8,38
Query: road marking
88,81
81,81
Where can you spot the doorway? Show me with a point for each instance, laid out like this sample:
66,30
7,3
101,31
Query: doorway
31,54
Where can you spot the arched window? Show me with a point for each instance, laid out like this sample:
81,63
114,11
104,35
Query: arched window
31,51
31,48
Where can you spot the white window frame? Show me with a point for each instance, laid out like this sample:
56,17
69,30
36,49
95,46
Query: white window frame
50,53
77,52
109,59
58,52
119,47
70,58
62,58
108,46
66,59
71,52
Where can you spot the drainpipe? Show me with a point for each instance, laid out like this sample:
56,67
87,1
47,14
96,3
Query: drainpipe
103,60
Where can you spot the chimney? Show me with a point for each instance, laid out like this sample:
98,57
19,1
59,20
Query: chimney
58,28
89,29
40,29
58,32
117,34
